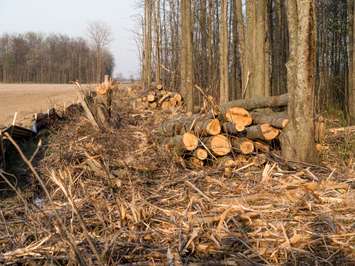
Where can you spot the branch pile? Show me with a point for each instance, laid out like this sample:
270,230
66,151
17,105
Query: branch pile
161,98
240,127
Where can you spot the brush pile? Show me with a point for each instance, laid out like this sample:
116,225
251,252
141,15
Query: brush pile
239,127
117,198
159,98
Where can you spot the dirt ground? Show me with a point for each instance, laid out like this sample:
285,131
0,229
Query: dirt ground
27,99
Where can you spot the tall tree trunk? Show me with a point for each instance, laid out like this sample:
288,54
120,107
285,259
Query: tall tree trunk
240,31
186,54
158,41
261,63
250,39
351,100
223,53
298,139
147,67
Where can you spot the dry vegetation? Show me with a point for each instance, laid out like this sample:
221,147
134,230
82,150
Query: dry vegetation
119,198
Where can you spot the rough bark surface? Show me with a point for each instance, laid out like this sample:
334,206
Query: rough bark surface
298,138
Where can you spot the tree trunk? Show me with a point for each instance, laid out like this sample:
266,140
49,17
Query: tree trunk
186,55
147,66
241,41
351,101
223,51
250,40
298,138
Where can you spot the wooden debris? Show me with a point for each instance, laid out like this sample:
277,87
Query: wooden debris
219,145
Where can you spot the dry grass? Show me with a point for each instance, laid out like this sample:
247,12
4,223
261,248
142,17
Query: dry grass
120,199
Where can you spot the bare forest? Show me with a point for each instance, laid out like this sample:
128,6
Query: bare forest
235,146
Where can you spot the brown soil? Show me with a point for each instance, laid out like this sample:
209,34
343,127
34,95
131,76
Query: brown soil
27,99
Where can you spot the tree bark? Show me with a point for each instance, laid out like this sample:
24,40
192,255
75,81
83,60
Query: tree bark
257,102
186,55
147,66
298,138
351,101
223,51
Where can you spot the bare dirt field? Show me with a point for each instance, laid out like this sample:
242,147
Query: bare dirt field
27,99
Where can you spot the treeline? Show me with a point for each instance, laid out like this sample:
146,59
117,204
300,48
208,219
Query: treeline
56,58
240,49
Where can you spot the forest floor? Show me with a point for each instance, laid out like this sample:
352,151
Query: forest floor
119,198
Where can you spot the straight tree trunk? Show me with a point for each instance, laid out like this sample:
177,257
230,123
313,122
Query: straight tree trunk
186,54
250,40
241,42
147,67
223,52
351,100
298,141
158,41
261,63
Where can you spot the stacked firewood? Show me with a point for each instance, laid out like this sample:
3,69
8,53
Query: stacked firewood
238,127
159,98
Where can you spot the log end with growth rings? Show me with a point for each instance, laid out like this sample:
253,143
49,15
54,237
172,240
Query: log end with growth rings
214,127
190,141
220,145
239,116
269,132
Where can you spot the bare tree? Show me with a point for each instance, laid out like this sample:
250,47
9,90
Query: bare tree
101,36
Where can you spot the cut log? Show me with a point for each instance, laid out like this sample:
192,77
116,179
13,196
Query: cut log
278,120
257,102
225,161
183,143
144,99
207,127
166,105
200,125
262,132
231,128
173,102
165,97
219,145
153,105
349,129
238,116
261,147
150,98
194,163
200,154
159,87
170,128
244,145
178,97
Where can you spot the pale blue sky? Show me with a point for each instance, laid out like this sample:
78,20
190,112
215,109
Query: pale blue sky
71,17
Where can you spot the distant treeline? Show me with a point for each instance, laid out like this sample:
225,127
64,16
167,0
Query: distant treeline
54,58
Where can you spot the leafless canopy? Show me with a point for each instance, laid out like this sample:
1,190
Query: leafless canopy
100,34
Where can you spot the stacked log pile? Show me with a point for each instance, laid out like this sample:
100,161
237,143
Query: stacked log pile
159,98
239,127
